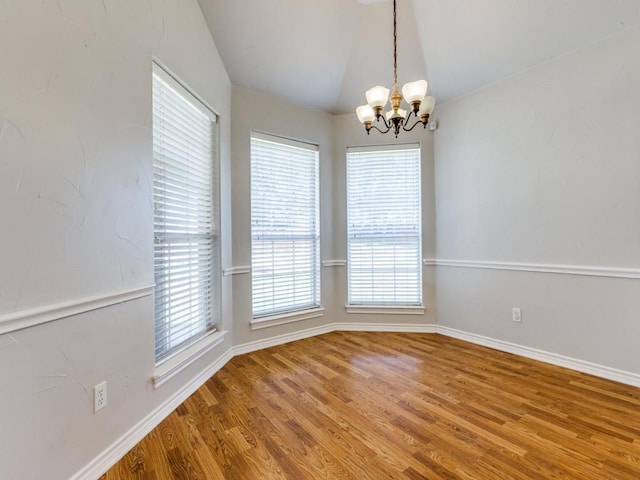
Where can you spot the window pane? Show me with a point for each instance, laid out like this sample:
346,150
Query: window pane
384,231
285,239
186,264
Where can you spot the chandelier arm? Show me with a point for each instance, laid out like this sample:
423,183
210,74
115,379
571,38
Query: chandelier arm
388,128
384,120
418,121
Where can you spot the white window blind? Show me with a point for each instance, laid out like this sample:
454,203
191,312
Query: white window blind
186,266
285,237
384,227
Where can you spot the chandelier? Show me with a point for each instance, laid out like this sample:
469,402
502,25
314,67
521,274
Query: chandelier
396,118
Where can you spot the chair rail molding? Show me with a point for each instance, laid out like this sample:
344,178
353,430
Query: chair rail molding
592,271
12,321
334,263
241,269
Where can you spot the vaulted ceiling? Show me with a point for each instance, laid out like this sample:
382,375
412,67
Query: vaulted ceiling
324,54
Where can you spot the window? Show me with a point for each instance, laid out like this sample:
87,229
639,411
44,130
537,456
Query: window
384,228
285,238
185,199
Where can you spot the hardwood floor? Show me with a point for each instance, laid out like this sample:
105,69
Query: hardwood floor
403,406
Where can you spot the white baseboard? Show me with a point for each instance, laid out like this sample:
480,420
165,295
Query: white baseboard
130,439
281,339
126,442
332,327
602,371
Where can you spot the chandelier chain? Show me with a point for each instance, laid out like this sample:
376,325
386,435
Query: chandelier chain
395,46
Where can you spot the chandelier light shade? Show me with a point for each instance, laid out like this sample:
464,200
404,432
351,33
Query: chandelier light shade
377,97
426,107
396,119
365,114
414,91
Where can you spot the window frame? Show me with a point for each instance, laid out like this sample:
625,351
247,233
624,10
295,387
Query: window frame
172,360
364,305
286,314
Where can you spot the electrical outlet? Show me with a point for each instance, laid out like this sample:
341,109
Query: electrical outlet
99,396
516,315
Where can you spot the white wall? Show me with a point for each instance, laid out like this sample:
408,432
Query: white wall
349,132
541,168
544,168
264,113
76,216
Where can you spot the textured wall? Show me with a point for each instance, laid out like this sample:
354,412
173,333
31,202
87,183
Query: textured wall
76,215
543,168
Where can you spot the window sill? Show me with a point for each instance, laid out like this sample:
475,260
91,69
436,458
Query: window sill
284,318
386,309
181,360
